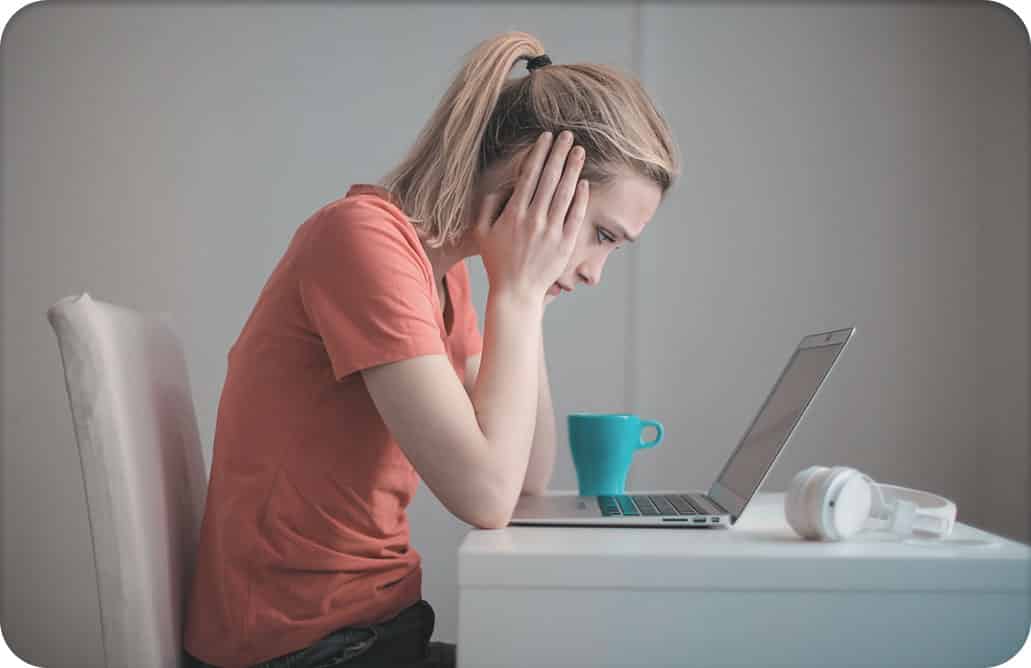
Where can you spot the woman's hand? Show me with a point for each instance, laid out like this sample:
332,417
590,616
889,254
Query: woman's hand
526,249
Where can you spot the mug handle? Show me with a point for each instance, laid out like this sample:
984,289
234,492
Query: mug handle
658,435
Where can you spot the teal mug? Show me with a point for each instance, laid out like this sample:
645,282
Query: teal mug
603,447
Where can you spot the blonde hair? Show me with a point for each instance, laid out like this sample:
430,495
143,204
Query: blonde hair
486,116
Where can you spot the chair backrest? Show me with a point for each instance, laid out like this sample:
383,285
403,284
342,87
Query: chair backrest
143,470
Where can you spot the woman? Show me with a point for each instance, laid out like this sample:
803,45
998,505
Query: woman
359,369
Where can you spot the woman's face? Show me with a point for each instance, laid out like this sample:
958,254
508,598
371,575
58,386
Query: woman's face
617,213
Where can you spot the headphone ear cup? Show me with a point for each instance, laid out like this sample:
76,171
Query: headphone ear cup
852,506
791,500
795,507
824,495
813,499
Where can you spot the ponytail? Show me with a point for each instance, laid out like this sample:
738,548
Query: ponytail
434,181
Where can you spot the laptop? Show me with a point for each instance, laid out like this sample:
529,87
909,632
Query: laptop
742,474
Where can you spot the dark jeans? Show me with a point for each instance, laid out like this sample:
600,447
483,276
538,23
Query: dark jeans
403,641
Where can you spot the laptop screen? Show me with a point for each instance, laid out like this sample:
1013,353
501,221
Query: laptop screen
754,456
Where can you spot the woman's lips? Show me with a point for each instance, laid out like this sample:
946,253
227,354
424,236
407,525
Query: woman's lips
557,288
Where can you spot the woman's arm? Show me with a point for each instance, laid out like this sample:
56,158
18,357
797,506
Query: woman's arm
471,450
542,453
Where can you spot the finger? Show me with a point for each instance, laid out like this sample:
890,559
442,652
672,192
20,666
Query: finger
576,216
567,187
549,178
529,169
519,162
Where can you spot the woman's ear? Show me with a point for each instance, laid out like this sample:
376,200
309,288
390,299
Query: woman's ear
508,175
503,176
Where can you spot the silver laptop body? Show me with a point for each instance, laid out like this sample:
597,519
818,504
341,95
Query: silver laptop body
742,474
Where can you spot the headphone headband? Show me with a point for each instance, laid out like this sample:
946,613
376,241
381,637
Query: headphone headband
915,511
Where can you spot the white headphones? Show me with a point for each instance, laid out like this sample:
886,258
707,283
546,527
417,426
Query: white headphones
835,503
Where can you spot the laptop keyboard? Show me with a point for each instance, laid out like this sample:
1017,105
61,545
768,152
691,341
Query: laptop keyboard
657,504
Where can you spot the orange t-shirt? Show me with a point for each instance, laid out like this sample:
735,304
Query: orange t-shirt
304,528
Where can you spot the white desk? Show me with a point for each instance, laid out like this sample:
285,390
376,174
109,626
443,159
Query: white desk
754,594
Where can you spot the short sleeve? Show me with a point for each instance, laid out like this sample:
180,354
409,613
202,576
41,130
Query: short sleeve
364,288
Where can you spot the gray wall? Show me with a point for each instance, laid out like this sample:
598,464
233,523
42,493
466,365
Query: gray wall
862,165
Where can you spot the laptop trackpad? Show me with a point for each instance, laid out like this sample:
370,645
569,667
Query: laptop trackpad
549,506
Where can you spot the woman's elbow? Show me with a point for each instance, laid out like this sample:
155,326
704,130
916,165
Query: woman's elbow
491,521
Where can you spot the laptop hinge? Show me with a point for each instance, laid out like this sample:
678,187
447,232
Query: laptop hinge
712,502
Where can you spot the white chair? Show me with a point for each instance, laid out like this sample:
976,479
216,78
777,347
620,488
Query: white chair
143,471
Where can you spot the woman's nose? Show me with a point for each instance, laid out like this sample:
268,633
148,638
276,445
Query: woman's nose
590,275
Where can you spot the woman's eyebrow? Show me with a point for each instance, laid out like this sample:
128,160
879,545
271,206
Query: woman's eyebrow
605,220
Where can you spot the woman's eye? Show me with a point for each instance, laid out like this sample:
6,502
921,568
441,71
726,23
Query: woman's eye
604,236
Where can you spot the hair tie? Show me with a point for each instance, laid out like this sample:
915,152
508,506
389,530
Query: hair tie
539,61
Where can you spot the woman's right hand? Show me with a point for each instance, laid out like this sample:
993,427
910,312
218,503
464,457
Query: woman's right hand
526,248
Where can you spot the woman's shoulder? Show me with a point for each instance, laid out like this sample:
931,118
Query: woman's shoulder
364,226
365,201
373,190
366,210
